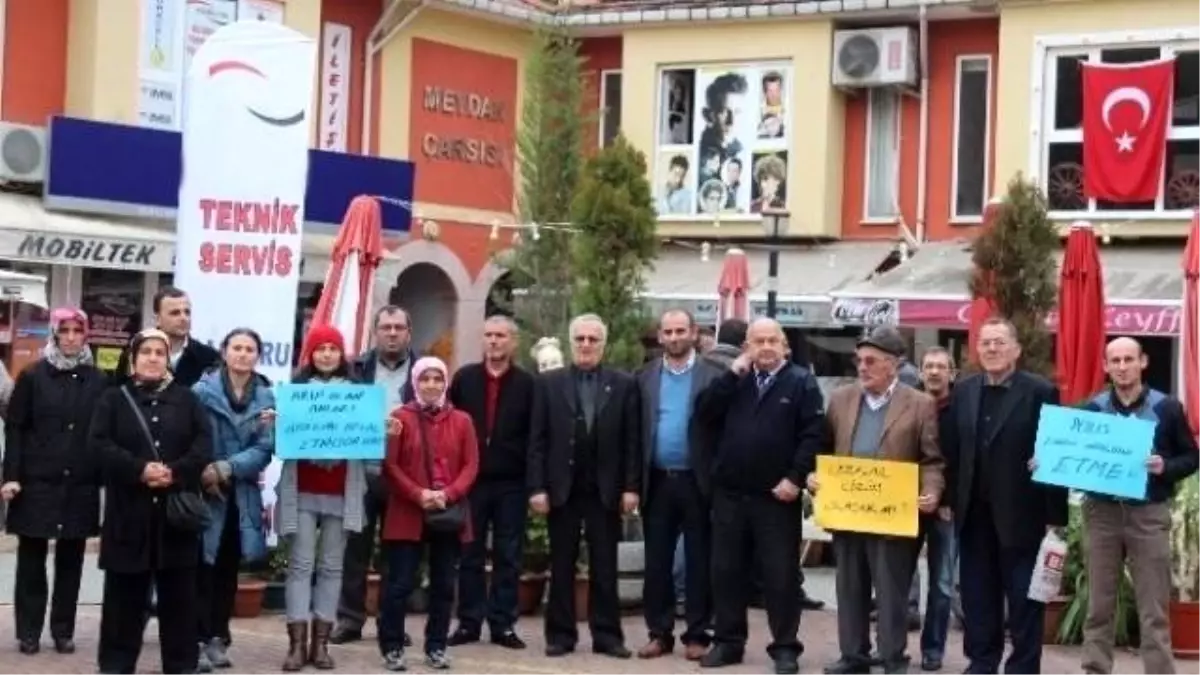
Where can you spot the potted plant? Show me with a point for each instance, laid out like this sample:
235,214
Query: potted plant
248,598
275,595
1185,570
536,560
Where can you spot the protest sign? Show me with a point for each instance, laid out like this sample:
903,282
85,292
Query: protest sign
1092,451
867,495
330,421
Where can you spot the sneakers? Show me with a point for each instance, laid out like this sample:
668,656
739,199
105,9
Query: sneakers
437,660
394,661
203,663
217,653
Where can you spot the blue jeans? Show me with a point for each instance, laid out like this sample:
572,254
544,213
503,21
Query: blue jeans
403,569
679,571
502,509
942,556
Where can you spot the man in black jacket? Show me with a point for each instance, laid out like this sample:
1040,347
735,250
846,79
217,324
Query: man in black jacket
499,398
771,416
585,468
189,358
1118,528
1001,514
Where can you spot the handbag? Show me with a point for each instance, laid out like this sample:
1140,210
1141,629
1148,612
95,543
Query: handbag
451,518
185,509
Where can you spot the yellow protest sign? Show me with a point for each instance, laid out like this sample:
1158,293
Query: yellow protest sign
107,358
867,495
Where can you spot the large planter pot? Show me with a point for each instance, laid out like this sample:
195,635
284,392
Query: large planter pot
275,597
248,599
582,584
1055,609
530,591
371,604
1185,630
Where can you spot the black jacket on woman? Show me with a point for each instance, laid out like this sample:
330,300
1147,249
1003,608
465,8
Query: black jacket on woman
136,537
46,452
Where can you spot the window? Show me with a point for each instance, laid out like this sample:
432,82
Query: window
1060,151
883,155
722,146
610,106
972,127
113,302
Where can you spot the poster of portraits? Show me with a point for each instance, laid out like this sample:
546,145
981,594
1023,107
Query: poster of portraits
722,140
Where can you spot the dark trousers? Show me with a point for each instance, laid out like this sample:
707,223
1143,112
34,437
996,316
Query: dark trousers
866,561
771,529
217,583
941,556
993,575
602,527
122,620
676,507
360,549
500,507
32,590
404,576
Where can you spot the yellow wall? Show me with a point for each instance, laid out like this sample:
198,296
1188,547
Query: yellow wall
102,55
1021,25
395,92
815,155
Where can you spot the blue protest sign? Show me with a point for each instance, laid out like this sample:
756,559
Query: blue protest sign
330,421
1093,452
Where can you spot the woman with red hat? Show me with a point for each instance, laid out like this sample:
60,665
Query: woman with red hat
51,481
320,502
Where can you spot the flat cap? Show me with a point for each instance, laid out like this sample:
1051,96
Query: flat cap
886,339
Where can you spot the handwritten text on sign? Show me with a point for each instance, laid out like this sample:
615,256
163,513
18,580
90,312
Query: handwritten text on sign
867,495
1093,452
330,421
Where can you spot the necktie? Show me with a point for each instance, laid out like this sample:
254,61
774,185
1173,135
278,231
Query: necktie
764,379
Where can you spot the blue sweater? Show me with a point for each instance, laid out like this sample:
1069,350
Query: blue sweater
674,411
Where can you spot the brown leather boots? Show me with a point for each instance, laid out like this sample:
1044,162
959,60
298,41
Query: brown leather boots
302,651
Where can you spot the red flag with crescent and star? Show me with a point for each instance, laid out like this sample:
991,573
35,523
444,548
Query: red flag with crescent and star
1126,112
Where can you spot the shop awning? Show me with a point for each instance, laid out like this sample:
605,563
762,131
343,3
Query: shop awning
27,288
807,278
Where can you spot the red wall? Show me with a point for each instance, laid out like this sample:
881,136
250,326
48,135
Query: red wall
599,54
35,61
360,16
947,41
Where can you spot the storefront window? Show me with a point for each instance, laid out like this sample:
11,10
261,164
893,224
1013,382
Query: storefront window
113,302
23,328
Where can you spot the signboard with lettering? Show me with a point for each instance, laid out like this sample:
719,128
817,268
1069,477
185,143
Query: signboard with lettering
330,421
1093,452
866,312
867,495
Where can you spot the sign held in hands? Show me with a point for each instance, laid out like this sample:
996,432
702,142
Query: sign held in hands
1093,452
867,495
330,421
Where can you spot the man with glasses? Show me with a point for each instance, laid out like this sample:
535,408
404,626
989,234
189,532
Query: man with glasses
387,365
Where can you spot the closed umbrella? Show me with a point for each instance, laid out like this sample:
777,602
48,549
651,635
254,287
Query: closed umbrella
983,305
1080,339
346,296
733,288
1190,354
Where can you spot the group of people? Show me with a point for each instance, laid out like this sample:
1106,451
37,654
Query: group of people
714,446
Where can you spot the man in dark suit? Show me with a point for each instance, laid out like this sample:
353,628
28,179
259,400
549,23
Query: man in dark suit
499,398
771,419
189,358
585,468
1001,514
676,487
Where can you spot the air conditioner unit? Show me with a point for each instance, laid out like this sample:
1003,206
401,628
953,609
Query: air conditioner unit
22,153
875,57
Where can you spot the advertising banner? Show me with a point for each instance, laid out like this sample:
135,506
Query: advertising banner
241,201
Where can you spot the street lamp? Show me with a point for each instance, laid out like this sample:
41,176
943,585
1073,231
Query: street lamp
776,224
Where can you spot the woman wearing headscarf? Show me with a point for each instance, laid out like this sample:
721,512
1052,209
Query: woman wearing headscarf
320,502
151,436
51,481
238,401
432,461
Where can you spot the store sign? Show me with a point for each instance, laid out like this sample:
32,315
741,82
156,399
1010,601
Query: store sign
44,247
142,169
335,86
469,105
789,313
865,312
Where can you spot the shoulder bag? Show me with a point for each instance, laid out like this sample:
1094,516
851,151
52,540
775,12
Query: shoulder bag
186,509
451,518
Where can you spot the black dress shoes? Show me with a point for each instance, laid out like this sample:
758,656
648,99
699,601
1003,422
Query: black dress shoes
615,651
462,636
721,656
29,646
64,645
508,640
554,649
848,667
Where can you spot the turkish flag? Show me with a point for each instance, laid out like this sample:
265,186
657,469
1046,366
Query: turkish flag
1126,110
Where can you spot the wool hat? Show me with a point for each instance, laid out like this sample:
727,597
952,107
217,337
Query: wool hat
322,334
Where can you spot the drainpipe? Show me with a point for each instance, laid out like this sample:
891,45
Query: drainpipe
923,144
376,41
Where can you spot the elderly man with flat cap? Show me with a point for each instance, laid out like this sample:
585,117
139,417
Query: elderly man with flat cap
880,418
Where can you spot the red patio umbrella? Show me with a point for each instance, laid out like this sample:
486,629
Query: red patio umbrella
1190,354
1080,339
346,297
983,306
733,288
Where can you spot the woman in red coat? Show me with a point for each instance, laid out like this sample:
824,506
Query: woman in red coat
432,460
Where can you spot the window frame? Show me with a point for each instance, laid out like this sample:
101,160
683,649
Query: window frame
865,217
600,143
1044,81
989,103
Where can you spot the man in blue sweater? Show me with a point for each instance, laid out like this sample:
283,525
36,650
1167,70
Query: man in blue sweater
771,419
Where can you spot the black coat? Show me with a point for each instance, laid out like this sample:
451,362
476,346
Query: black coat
47,453
197,359
136,537
503,452
1021,508
618,436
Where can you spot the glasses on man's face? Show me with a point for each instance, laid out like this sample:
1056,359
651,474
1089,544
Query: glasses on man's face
866,361
587,340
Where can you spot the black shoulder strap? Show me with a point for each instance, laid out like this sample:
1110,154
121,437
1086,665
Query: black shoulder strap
141,419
